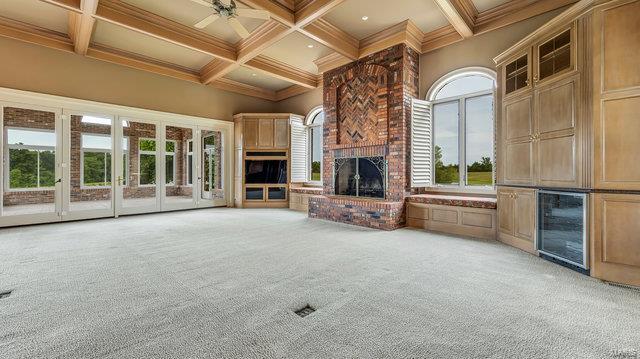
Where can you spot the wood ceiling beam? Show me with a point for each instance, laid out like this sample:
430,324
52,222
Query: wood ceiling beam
283,71
456,16
81,26
332,37
314,10
71,5
515,11
34,35
138,20
277,11
331,61
215,70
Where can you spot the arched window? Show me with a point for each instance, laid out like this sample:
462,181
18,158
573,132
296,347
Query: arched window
463,127
314,122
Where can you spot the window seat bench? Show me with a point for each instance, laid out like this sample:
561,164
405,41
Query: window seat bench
299,196
452,214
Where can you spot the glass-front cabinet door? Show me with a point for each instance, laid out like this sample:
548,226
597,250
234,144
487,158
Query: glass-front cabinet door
555,55
32,160
517,74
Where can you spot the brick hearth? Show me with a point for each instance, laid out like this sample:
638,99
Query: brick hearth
367,107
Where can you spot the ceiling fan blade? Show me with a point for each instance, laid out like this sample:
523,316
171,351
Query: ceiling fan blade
226,2
237,26
203,3
207,21
255,14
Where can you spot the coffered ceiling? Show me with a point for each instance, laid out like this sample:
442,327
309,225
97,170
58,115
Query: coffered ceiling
282,57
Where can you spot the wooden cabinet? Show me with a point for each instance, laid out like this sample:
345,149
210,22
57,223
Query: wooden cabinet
615,243
517,217
264,133
617,96
262,137
540,127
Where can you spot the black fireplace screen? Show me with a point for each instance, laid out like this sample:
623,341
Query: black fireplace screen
360,176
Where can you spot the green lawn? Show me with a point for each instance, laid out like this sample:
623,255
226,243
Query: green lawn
480,178
315,176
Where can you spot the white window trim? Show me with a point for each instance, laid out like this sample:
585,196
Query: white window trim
308,122
173,157
38,149
186,164
462,187
126,169
140,152
98,150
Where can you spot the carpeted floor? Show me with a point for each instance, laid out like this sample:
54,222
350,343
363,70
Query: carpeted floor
224,283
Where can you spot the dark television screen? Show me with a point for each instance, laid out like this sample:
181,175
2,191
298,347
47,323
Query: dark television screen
265,171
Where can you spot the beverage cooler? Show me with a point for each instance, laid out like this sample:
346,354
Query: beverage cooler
563,228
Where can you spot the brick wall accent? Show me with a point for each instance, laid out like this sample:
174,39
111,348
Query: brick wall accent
360,212
367,106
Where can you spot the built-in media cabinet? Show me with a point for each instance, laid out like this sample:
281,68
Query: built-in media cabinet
262,159
568,121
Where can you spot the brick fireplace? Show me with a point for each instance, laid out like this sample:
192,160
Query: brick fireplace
367,113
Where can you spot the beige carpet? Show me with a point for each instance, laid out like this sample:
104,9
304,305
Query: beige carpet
224,283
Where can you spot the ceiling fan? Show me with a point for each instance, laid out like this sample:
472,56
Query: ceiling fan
229,11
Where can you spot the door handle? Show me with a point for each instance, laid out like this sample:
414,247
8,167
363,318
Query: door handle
119,179
58,180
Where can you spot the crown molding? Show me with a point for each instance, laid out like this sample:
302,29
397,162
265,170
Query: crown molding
439,38
405,32
124,58
21,31
277,10
330,62
291,91
283,71
244,89
69,5
515,11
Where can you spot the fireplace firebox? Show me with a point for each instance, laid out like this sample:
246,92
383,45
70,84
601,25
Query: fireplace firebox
360,176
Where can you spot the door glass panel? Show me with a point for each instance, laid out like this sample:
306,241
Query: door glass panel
446,145
178,162
561,226
254,193
29,162
516,74
277,193
479,151
555,55
211,166
91,163
140,175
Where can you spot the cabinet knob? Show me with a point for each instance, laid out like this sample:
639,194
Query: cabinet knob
527,82
535,79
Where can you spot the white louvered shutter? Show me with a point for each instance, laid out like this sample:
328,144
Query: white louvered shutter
299,155
421,138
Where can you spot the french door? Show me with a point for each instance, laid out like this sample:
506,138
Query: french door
32,169
63,164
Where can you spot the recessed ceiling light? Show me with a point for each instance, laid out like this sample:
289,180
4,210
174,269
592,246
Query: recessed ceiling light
310,46
365,18
254,75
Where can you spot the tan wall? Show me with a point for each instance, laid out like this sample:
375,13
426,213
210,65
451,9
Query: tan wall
301,104
477,51
35,68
